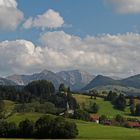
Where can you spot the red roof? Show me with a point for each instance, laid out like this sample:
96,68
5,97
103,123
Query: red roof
94,117
133,124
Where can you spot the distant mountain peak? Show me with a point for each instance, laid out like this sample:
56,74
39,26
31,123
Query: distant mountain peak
77,79
45,71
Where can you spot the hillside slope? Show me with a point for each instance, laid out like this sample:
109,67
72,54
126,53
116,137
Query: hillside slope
101,81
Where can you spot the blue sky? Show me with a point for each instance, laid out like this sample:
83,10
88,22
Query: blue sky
84,17
99,36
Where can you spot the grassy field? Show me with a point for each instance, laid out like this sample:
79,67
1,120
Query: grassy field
105,107
9,105
100,132
17,117
88,130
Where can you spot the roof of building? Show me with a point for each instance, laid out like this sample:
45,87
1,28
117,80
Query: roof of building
94,117
133,124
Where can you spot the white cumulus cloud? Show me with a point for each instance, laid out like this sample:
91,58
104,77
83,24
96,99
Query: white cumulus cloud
18,56
50,19
10,15
125,6
106,54
8,3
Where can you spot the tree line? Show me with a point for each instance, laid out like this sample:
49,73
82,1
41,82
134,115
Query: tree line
45,127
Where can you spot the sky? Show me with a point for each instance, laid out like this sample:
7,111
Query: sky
98,36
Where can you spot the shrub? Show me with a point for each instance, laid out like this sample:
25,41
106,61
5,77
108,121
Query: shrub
81,114
120,119
94,108
44,127
64,129
8,129
26,128
103,118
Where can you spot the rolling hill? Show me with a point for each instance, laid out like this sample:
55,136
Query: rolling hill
99,81
133,81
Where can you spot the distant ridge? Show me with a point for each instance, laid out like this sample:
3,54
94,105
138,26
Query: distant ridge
98,81
101,81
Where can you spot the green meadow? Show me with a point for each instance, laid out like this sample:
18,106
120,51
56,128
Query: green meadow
105,107
95,131
87,130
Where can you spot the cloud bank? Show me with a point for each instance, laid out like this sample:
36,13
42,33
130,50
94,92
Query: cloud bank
125,6
10,15
107,54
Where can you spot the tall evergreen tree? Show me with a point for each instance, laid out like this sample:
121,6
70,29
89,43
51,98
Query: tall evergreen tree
137,112
120,102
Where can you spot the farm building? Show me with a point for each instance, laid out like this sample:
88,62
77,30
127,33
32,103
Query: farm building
133,124
94,118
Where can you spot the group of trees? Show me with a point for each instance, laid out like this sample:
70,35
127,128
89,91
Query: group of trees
134,108
14,93
43,94
46,107
35,90
119,101
94,108
93,93
41,88
44,127
63,88
81,115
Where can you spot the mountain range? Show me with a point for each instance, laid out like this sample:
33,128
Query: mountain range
75,79
44,75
